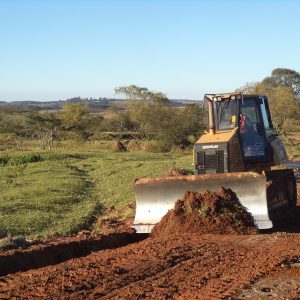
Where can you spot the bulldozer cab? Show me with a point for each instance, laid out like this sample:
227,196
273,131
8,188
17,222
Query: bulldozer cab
237,139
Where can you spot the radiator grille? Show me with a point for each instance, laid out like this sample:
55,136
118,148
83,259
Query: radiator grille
213,162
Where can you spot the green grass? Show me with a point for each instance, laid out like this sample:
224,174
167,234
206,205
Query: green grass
44,198
114,173
65,191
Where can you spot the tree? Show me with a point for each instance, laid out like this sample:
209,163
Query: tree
182,124
283,77
46,127
149,116
77,118
282,88
133,92
248,88
145,109
146,117
17,129
74,114
283,107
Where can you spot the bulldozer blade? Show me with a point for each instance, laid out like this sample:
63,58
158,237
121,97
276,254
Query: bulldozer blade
155,197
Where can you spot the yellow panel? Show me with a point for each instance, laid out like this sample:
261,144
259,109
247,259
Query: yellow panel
219,137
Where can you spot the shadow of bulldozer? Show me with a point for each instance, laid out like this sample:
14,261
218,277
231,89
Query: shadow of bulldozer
290,223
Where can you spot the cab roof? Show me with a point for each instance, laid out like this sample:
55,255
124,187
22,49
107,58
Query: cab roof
229,96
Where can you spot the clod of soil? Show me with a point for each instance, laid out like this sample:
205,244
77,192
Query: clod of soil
207,212
109,226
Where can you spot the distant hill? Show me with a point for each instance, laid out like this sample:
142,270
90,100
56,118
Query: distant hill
95,105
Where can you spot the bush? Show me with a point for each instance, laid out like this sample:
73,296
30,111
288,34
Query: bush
120,122
134,145
292,125
182,126
24,159
157,127
155,146
4,160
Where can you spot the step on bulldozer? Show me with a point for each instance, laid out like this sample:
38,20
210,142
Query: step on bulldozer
240,151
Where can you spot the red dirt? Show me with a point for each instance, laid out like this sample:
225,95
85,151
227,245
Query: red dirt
109,226
180,266
60,250
119,147
280,282
207,212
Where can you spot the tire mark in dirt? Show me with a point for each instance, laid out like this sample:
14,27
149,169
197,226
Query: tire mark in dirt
211,252
59,251
182,267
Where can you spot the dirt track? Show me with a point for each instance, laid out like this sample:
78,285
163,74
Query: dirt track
186,267
183,266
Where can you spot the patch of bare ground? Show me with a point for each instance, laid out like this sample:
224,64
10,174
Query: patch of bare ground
115,234
190,266
178,266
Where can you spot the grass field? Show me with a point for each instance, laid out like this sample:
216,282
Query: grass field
66,191
61,192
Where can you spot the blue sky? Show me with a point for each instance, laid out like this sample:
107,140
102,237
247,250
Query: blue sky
53,50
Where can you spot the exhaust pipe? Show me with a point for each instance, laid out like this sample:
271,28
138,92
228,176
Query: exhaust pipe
211,116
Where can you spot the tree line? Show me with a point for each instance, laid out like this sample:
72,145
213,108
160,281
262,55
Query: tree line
149,116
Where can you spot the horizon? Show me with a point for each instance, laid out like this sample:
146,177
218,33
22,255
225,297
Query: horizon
53,51
89,99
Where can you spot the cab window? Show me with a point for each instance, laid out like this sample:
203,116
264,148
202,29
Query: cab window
251,129
226,112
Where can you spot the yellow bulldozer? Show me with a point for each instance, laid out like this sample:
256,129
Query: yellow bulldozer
240,151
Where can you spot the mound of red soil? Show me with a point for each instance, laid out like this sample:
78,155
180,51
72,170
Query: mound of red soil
208,212
119,147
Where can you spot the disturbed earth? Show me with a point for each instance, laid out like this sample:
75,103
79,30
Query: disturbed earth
218,212
120,264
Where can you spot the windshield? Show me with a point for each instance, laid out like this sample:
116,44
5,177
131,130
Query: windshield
226,113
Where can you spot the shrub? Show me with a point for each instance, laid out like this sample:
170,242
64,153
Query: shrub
24,159
134,145
4,160
155,146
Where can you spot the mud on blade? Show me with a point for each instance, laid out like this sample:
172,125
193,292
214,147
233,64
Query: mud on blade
154,197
